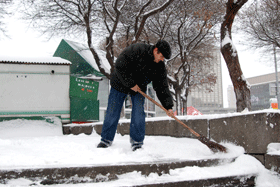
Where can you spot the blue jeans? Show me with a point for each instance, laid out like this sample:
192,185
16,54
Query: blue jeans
115,104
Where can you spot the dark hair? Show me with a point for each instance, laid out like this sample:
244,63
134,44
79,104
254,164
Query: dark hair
164,47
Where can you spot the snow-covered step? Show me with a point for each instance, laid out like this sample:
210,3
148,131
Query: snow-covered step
30,155
230,181
105,173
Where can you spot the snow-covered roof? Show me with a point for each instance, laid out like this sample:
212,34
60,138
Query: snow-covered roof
34,60
84,51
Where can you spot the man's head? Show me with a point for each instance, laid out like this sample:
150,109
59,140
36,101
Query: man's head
157,55
164,48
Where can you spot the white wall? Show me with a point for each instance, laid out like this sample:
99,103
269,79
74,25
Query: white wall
34,89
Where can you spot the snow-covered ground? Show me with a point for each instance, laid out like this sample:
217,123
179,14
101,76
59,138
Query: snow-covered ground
38,144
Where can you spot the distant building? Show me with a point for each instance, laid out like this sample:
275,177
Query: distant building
210,102
231,97
263,88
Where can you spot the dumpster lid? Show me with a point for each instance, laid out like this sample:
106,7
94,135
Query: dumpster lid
92,77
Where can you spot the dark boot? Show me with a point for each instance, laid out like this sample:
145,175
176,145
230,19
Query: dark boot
104,144
135,147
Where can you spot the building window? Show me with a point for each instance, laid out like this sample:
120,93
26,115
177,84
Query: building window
272,89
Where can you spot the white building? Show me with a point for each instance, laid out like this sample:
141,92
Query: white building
210,102
31,87
231,97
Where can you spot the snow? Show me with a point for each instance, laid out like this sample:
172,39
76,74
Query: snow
84,51
208,116
38,144
227,40
34,60
156,9
247,83
273,149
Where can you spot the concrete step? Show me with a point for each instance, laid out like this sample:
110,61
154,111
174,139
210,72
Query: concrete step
231,181
272,162
108,173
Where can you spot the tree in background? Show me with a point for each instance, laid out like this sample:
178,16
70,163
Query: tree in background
59,17
3,13
132,15
261,23
229,52
188,26
196,46
62,17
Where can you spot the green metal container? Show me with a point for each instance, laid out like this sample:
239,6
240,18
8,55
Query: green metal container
83,88
84,110
84,106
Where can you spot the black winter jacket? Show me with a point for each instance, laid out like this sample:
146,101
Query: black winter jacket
136,65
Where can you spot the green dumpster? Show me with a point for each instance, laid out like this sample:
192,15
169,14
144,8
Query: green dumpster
84,106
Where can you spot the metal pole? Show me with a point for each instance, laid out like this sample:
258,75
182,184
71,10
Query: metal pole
276,74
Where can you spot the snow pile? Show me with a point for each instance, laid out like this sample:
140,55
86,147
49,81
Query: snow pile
38,144
39,150
273,149
30,128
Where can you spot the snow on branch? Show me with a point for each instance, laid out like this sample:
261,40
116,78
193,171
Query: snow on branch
227,40
156,10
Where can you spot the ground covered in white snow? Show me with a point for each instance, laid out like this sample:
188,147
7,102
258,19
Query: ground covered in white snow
38,144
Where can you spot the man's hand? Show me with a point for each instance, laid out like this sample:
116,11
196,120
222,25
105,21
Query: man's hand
170,113
135,88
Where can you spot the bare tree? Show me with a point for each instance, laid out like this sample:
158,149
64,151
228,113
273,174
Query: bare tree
64,17
261,23
3,13
135,20
187,25
241,87
56,17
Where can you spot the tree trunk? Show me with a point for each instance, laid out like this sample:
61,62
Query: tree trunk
241,87
95,55
185,102
178,102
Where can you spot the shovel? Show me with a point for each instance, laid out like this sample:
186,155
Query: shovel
215,147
